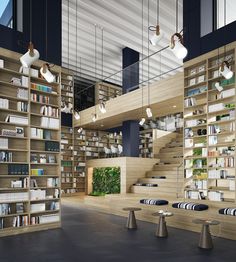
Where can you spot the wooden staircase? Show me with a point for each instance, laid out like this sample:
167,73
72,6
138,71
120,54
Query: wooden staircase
168,174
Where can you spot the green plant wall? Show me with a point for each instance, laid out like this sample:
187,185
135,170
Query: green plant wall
106,180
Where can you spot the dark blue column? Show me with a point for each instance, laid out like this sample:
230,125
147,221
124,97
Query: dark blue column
130,129
130,75
130,138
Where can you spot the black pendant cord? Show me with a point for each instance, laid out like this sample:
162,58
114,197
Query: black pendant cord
148,55
68,36
102,47
31,21
46,30
224,25
158,12
76,43
142,58
95,57
177,15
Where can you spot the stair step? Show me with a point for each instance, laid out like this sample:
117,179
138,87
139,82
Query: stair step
169,155
162,182
174,149
169,160
169,174
145,189
175,144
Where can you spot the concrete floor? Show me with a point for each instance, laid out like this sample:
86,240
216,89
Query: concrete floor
89,235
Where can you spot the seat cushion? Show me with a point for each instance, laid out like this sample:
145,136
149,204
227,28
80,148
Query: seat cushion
230,211
145,184
159,177
190,206
155,202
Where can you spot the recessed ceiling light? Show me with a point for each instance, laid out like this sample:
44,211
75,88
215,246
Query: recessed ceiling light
174,106
102,125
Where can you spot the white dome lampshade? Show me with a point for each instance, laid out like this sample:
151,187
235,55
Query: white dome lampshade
149,112
225,70
177,47
102,108
142,121
76,115
30,56
46,73
157,35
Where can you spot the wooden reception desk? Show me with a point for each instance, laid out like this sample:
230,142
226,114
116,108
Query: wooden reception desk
131,169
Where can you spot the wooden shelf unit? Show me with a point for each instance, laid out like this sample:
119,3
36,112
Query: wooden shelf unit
146,143
106,91
22,156
209,128
67,91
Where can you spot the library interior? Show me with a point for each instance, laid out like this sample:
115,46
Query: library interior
117,130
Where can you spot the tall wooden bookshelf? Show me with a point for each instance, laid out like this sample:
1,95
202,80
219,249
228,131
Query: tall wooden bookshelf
209,128
67,91
146,143
30,152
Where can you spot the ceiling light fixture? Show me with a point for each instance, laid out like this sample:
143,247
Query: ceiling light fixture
77,115
176,45
142,121
32,54
45,69
158,33
225,69
46,73
149,112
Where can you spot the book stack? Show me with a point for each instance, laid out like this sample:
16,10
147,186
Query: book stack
20,221
43,88
22,106
25,81
52,146
49,122
190,102
49,111
216,107
18,169
15,119
37,172
37,194
40,98
52,182
12,197
4,103
37,207
5,209
5,156
215,196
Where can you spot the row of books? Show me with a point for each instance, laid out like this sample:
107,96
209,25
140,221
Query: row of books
43,88
6,156
40,207
4,103
37,172
195,194
190,102
52,146
40,133
215,196
49,122
22,106
45,219
222,162
40,98
49,111
18,169
42,158
217,174
7,209
16,196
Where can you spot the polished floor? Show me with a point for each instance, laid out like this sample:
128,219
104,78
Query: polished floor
89,235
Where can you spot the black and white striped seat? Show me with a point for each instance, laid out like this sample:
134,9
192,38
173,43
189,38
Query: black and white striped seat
154,202
145,184
230,211
190,206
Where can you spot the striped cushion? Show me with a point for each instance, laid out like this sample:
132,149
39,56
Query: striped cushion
159,177
156,202
231,211
145,184
190,206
